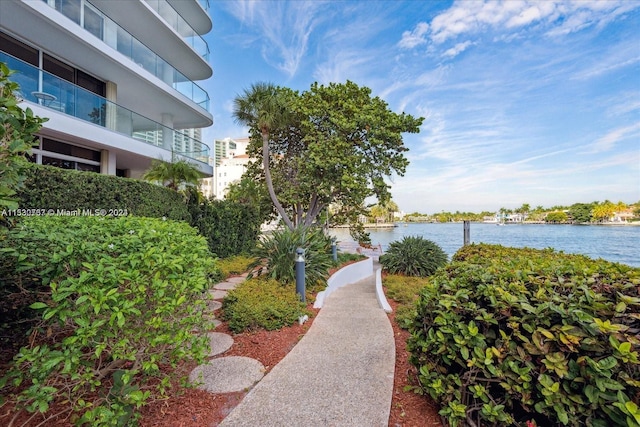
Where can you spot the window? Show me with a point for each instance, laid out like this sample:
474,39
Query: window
70,150
93,21
18,49
70,9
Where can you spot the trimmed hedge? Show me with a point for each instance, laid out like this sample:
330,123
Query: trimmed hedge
230,228
507,336
261,303
125,297
54,188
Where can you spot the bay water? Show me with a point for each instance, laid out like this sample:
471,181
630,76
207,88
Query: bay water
617,243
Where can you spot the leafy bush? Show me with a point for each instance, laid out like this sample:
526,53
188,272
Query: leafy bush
276,254
126,296
234,265
48,187
230,228
347,257
413,256
405,291
17,127
261,303
507,335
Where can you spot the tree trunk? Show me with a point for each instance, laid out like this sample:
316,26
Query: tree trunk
269,181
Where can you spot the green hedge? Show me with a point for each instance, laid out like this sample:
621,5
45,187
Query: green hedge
261,303
507,336
49,187
125,297
230,228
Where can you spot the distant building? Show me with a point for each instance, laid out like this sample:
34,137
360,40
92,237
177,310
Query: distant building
230,160
116,79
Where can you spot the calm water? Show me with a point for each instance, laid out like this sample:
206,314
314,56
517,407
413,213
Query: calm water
613,243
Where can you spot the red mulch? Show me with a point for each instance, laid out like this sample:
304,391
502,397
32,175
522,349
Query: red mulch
196,408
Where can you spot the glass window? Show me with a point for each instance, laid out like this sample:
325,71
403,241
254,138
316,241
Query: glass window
93,21
18,49
70,9
87,168
70,150
64,164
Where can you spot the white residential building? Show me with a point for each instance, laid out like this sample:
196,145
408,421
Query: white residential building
117,79
230,161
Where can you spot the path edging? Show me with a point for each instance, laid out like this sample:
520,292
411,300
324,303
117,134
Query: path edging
350,274
382,298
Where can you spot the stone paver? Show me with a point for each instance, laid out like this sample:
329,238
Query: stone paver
217,294
228,374
236,279
225,286
219,343
214,305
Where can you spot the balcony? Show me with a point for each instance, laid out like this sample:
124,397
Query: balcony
109,32
182,27
52,92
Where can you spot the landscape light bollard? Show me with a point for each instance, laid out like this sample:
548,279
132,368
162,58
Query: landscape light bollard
300,274
334,249
467,232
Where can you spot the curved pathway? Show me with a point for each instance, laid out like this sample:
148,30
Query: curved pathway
339,374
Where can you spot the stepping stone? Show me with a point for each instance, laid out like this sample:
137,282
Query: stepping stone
216,294
227,374
225,286
219,343
214,305
236,279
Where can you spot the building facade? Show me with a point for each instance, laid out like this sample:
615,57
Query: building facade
229,159
116,79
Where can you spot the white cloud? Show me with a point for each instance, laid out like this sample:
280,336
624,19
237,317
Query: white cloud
411,39
608,141
457,49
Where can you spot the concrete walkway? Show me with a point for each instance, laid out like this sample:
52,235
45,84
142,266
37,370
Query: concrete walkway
339,374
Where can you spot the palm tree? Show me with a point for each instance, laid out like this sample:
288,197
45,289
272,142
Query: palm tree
174,175
263,108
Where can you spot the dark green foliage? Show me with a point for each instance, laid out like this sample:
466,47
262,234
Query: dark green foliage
17,127
506,335
125,296
347,257
413,256
261,303
230,228
275,255
49,187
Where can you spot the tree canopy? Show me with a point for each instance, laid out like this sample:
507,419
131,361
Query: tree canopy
331,145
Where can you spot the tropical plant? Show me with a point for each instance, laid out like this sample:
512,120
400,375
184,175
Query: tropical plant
504,336
413,256
17,129
175,175
261,303
276,254
264,108
253,193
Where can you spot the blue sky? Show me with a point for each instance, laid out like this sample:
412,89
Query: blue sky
532,102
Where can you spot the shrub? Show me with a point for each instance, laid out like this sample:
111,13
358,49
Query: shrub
48,187
230,228
275,255
261,303
506,335
413,256
404,290
17,127
126,296
234,265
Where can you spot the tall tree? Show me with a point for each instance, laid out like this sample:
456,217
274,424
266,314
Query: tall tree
338,147
264,108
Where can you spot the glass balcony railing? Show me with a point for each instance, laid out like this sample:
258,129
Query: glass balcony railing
178,23
204,4
119,39
52,92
